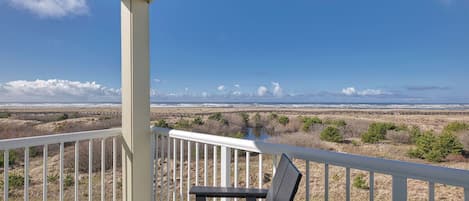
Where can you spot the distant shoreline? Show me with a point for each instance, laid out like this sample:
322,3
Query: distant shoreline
340,106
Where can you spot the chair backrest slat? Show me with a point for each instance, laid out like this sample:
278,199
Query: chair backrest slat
285,182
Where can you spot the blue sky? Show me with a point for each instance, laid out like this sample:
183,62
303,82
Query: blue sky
263,50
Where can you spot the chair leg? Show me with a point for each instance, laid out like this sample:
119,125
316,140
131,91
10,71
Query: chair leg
200,198
250,199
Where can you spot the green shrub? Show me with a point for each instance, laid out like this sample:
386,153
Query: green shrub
257,120
11,158
355,143
198,121
273,116
284,120
360,182
62,117
377,131
4,115
331,134
449,144
415,133
369,137
238,134
33,152
52,178
217,116
435,148
224,122
68,181
245,117
400,127
336,122
310,121
456,127
162,124
15,181
182,124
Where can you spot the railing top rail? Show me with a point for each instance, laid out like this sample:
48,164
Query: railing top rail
443,175
15,143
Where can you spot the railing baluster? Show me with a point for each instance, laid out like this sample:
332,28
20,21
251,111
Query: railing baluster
431,191
205,164
466,193
215,162
90,170
174,167
372,186
248,156
6,165
307,180
61,172
260,170
26,173
103,169
155,166
235,169
168,168
188,168
347,184
160,163
274,164
76,170
44,172
114,167
181,169
225,168
399,188
196,163
326,182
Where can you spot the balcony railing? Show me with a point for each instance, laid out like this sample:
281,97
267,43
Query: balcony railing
183,159
167,142
45,142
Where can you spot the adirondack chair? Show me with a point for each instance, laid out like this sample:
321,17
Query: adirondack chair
284,186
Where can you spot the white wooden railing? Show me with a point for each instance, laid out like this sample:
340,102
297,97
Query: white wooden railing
172,152
165,143
60,139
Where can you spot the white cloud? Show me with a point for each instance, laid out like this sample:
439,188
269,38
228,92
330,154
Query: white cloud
277,90
351,91
157,80
52,8
55,90
221,88
237,86
236,93
262,91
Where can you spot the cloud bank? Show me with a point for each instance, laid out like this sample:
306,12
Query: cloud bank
56,90
52,8
351,91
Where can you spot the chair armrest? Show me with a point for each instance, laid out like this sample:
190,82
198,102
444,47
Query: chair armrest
228,192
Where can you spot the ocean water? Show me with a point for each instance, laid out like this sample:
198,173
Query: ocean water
422,106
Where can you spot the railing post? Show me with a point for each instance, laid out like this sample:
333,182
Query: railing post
136,133
225,168
399,188
466,193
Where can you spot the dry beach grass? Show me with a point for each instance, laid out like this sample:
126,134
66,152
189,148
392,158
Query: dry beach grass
40,121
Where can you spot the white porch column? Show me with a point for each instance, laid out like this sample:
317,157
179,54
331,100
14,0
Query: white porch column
136,154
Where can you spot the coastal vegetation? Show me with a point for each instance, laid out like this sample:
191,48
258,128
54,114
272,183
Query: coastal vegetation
446,144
